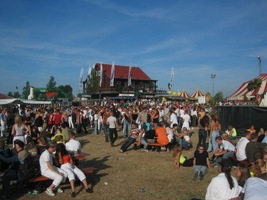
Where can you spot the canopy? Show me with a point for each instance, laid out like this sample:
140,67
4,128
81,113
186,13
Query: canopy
184,94
22,101
258,90
197,94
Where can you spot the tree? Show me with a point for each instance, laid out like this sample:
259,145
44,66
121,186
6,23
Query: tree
218,97
51,85
16,94
10,94
67,90
92,85
26,90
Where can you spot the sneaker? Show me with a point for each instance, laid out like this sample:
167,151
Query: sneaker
50,192
73,194
121,150
89,190
59,190
144,150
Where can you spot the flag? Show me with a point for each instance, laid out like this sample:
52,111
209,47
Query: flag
172,76
100,74
112,74
89,72
81,78
259,58
130,76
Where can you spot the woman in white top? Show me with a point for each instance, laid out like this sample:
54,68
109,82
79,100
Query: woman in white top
223,186
19,130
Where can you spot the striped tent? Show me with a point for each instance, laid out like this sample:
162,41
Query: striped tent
197,94
184,94
257,90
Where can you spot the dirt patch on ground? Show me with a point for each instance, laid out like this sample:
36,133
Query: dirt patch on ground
133,174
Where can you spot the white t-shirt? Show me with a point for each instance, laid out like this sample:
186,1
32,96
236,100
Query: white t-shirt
111,120
241,149
219,188
73,145
45,156
169,134
255,189
173,119
228,145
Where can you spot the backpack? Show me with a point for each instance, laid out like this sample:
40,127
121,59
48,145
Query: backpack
27,169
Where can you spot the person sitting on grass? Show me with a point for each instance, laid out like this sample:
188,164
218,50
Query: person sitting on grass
67,165
225,150
242,173
134,133
223,186
180,159
201,163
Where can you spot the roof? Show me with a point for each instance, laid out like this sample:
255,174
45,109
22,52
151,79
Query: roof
184,94
197,94
121,72
3,96
243,89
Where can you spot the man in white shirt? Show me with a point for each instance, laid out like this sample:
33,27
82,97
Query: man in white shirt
226,150
50,171
241,147
112,125
172,118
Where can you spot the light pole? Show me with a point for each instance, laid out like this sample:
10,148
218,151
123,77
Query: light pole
213,77
259,59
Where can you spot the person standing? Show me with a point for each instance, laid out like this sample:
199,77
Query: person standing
3,118
19,129
50,171
203,124
113,125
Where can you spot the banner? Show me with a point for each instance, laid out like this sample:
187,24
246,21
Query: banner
130,77
112,74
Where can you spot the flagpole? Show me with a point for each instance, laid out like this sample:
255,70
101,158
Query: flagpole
259,59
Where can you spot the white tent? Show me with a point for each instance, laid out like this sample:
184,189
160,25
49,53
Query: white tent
23,101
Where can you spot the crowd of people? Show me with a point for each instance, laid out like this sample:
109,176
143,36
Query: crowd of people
44,130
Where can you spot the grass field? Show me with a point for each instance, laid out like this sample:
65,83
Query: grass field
134,174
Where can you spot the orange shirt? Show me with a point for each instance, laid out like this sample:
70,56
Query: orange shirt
162,136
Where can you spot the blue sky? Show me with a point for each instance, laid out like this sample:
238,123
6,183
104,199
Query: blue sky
198,38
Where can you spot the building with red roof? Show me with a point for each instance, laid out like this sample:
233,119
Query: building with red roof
141,86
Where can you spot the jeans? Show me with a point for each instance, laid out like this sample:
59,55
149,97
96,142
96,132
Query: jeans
145,142
200,169
126,128
213,145
127,143
202,136
227,155
113,132
105,129
96,127
179,141
3,130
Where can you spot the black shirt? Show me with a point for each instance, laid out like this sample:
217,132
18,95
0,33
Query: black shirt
201,158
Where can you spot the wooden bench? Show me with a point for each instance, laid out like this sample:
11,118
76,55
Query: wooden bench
149,144
40,178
